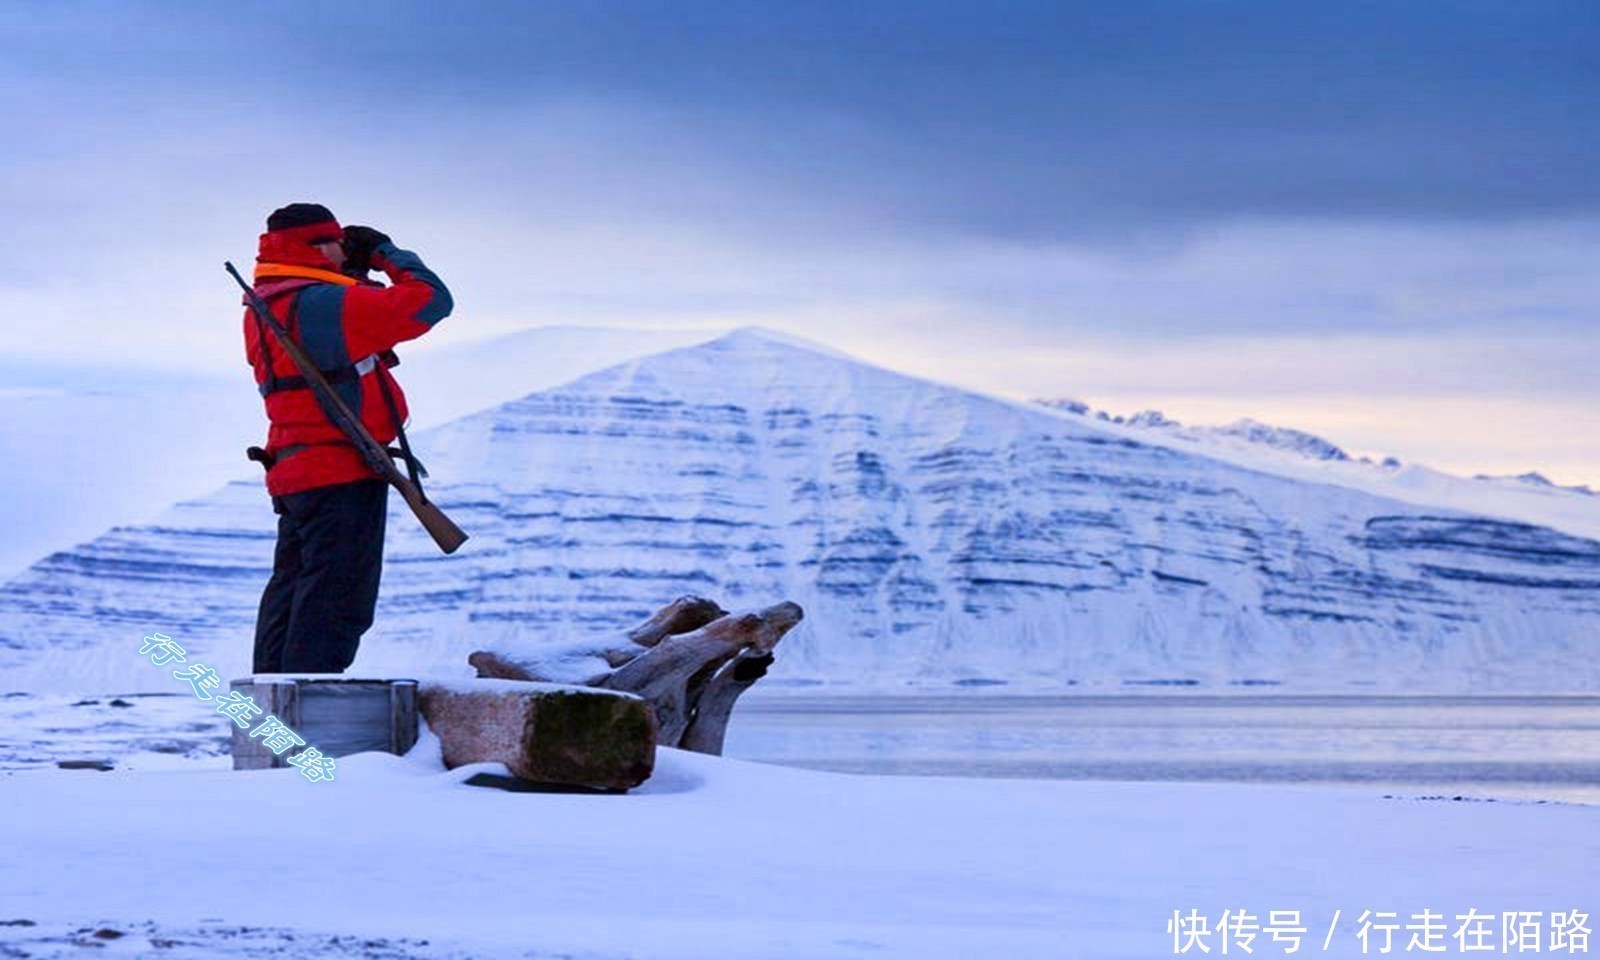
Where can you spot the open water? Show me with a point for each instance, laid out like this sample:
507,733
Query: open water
1525,747
1503,747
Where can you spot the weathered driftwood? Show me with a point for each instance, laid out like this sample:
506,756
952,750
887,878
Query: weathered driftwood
690,661
710,723
544,733
675,672
680,616
590,665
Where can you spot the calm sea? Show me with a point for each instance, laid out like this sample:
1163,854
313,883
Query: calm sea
1524,747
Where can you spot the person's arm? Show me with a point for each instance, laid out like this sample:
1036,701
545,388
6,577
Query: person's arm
377,318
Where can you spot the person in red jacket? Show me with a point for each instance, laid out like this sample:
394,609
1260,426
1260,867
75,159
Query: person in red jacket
331,506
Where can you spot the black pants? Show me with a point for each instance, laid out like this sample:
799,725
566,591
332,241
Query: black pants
324,582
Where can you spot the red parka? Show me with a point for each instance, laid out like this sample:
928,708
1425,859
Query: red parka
345,326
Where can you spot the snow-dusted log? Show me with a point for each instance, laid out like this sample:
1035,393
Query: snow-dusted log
590,663
680,616
498,666
690,661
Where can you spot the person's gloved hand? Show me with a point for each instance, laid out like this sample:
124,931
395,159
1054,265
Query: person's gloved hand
359,242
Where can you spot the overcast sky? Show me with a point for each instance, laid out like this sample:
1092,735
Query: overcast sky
1375,220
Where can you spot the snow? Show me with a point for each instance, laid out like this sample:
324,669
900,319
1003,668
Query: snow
81,459
715,857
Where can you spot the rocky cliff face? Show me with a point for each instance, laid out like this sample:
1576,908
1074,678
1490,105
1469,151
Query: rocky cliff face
934,536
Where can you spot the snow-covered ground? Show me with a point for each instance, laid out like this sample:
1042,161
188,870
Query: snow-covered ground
720,858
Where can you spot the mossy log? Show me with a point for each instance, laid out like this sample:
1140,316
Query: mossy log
544,733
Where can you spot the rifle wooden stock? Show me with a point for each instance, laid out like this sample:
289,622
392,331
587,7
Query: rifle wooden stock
441,528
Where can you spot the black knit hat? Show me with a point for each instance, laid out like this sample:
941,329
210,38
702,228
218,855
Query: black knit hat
299,215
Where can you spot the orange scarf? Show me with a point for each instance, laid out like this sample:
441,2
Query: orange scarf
266,271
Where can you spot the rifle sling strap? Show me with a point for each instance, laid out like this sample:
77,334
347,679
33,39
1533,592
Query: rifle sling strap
414,466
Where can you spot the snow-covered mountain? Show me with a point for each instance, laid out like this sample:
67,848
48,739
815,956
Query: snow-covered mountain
1537,481
97,447
935,536
1529,497
1262,435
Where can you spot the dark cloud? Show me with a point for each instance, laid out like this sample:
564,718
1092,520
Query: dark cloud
1174,169
1040,121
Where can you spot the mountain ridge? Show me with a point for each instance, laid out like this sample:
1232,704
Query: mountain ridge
936,536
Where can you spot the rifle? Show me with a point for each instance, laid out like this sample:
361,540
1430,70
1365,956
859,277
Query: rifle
444,531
